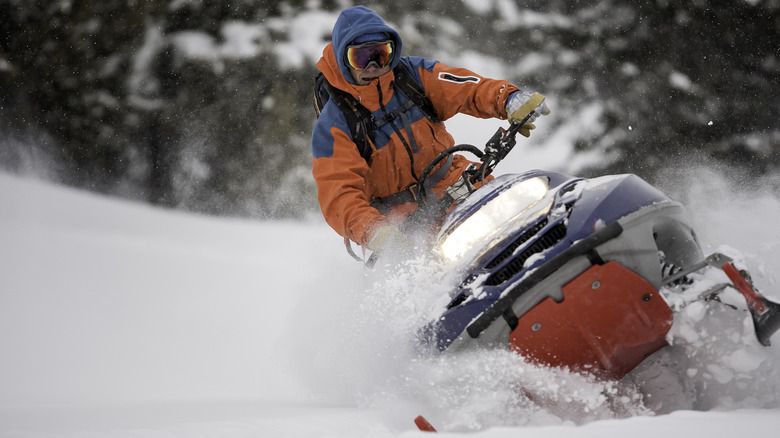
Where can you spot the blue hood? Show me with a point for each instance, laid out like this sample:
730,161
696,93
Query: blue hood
354,22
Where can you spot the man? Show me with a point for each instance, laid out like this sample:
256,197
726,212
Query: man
360,61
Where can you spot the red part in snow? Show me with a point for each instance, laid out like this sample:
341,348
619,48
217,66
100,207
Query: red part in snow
423,424
609,321
751,296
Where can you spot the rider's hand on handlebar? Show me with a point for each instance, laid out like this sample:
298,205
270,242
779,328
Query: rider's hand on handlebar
387,236
521,104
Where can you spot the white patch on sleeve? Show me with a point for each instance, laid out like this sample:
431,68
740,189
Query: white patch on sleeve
449,77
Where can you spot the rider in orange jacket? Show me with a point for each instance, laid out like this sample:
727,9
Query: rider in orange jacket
360,61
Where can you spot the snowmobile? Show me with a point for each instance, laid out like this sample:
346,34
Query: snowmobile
568,271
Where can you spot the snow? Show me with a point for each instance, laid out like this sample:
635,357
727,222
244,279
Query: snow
308,33
296,41
122,320
681,81
481,7
514,17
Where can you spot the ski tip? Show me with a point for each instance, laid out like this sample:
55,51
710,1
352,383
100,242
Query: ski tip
423,424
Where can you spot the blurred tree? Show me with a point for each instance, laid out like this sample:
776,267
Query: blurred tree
70,66
134,114
696,78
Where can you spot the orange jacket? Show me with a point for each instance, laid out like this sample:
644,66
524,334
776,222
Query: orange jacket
346,183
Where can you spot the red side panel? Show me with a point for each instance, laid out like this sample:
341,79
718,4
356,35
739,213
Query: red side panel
609,321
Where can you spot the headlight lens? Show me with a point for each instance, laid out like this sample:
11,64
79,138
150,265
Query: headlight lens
518,204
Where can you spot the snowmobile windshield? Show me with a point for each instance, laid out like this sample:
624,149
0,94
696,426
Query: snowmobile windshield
516,206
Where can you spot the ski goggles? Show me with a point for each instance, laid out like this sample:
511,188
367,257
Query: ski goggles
360,56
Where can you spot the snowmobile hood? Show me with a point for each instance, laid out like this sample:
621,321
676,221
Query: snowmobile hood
353,23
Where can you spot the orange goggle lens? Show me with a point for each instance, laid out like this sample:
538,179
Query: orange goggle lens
360,56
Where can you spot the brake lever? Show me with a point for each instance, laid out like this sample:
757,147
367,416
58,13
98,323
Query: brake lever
494,145
499,146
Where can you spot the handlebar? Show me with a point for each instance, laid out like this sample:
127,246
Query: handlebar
496,149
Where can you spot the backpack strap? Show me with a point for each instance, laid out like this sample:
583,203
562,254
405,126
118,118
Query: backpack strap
321,95
359,119
412,90
407,85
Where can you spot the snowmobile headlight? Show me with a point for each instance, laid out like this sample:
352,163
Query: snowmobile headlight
519,204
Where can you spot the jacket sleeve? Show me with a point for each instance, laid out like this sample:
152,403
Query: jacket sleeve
340,174
458,90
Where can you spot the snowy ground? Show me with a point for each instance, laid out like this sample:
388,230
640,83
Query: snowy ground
120,320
